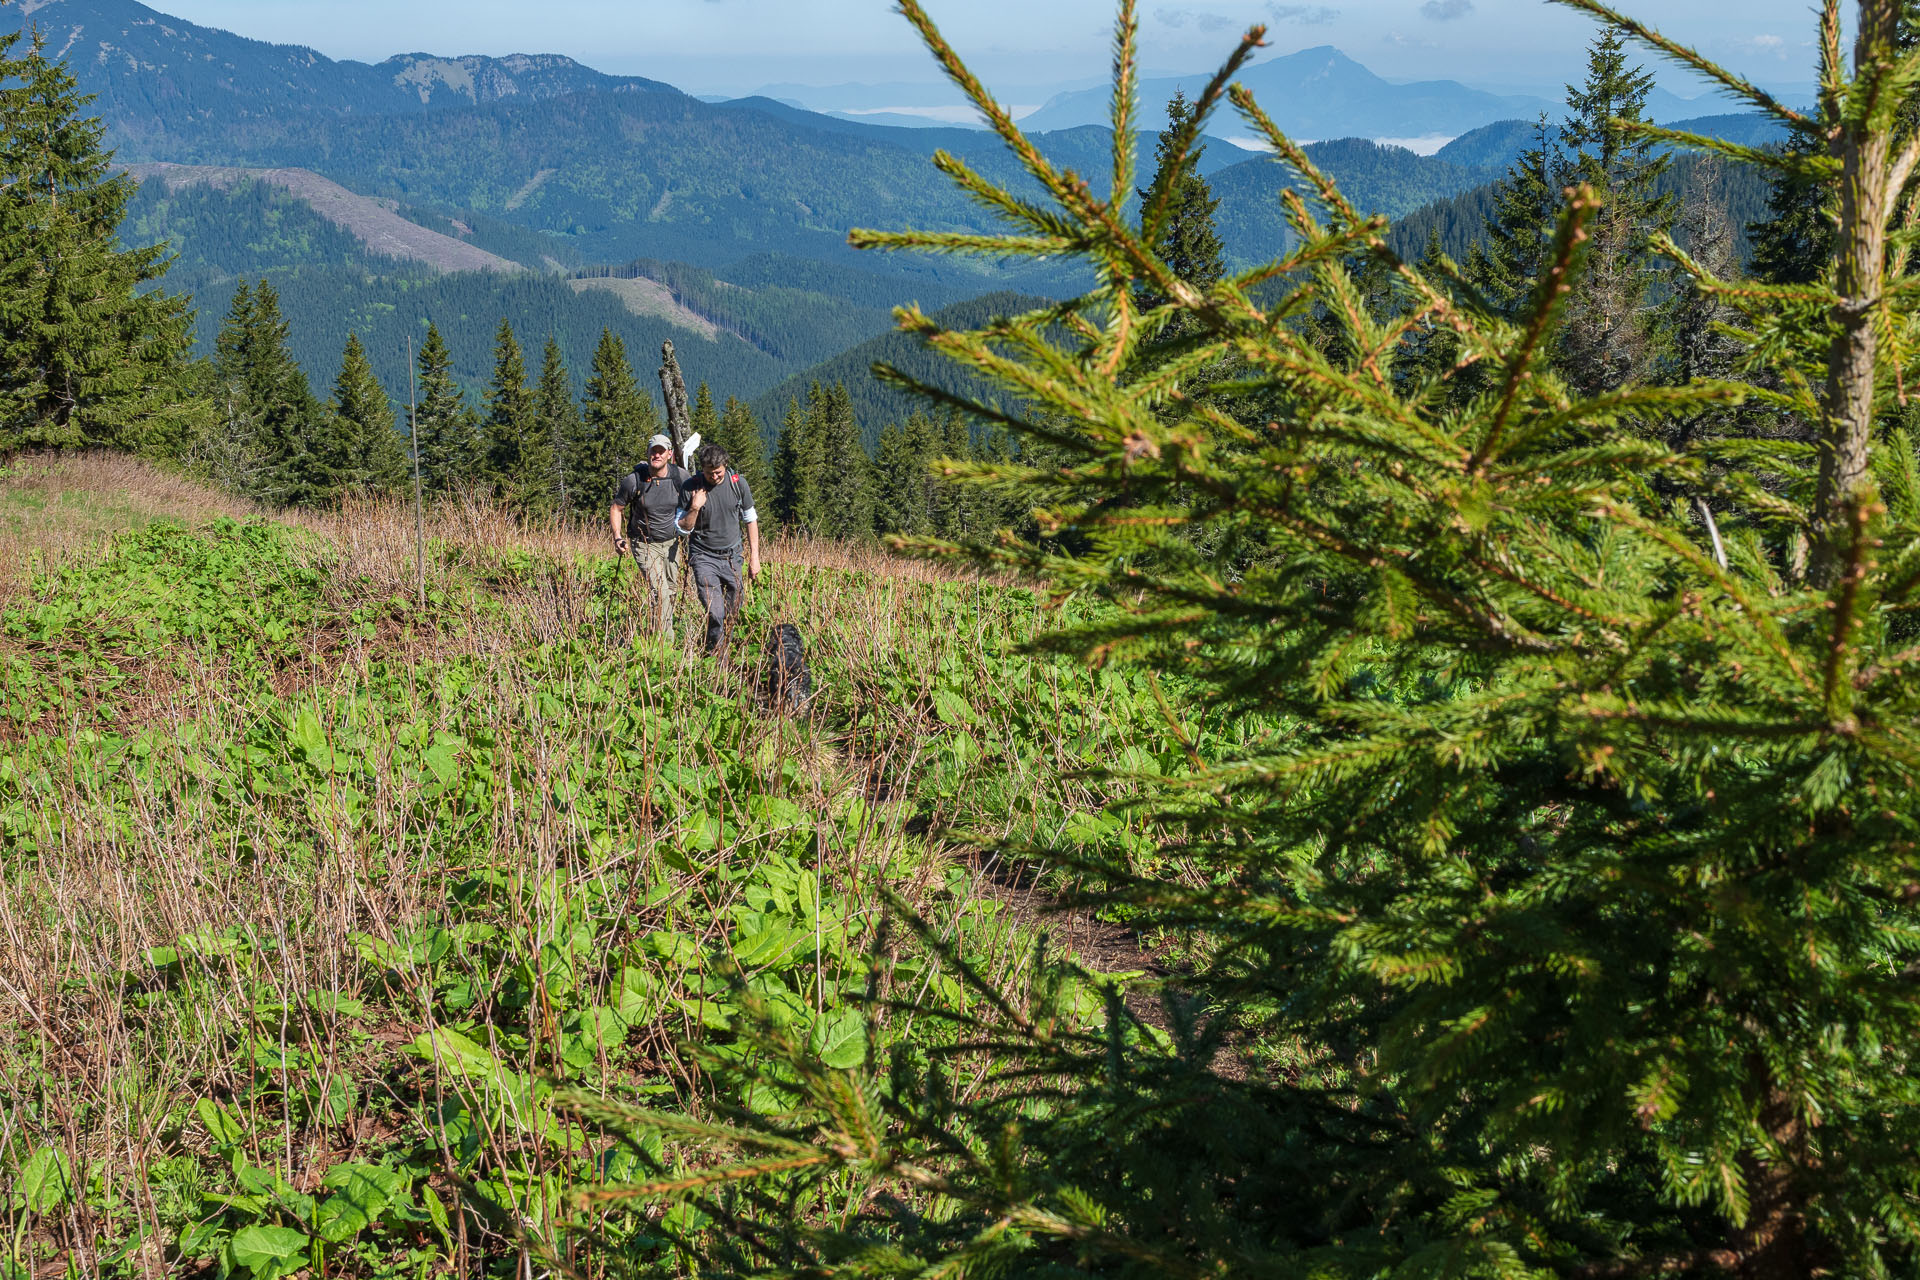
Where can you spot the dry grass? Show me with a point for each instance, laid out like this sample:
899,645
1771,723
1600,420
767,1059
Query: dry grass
56,506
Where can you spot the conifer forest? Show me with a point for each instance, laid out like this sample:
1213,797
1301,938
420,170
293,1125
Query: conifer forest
1364,729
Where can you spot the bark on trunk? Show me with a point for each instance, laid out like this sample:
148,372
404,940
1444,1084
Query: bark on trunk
1773,1243
674,388
1846,429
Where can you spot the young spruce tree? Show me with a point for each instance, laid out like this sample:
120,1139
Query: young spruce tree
1178,207
280,426
844,485
510,424
617,420
556,421
739,433
1566,921
1609,338
798,464
703,418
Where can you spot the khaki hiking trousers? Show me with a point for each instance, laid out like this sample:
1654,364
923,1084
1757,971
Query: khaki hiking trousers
658,565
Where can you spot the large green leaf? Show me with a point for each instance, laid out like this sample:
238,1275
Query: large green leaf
364,1192
222,1125
951,707
443,761
311,739
631,994
771,943
457,1053
840,1039
261,1247
45,1183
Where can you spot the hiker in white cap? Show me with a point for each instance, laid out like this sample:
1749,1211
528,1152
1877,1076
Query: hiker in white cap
643,523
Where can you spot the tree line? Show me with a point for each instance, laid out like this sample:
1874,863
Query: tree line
532,445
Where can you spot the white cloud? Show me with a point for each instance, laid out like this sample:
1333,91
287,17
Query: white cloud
1307,15
1446,10
1764,44
1203,21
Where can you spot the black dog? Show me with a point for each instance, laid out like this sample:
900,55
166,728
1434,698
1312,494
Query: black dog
786,681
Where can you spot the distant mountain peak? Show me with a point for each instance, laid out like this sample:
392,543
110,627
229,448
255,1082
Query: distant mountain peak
1316,93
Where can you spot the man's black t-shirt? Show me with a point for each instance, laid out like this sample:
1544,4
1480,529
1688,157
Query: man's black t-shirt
651,501
717,530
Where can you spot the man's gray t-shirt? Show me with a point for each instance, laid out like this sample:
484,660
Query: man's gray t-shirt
651,501
717,530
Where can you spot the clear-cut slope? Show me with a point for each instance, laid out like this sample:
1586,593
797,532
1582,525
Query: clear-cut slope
375,225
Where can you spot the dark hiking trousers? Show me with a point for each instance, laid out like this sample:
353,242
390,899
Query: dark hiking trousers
717,579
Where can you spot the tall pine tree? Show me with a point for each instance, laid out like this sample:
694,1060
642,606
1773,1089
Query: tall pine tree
1611,334
846,484
1609,339
90,354
798,464
519,453
275,418
1520,232
739,434
556,420
617,419
703,419
1183,236
902,483
957,509
443,431
364,452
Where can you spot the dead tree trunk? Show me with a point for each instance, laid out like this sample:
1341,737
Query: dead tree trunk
674,387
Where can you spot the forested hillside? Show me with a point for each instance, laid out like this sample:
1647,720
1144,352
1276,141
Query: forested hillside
1460,221
794,310
876,403
330,285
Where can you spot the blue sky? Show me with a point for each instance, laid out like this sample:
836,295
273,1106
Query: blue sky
733,46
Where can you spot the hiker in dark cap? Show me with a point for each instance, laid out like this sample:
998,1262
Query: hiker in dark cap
719,520
643,512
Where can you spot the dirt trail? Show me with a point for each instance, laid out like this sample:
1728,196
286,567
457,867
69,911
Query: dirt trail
1100,946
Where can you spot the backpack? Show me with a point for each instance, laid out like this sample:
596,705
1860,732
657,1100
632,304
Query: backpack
786,683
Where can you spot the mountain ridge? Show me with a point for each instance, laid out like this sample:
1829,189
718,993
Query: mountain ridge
1317,93
158,79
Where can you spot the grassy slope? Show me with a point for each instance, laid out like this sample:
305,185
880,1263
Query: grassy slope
309,897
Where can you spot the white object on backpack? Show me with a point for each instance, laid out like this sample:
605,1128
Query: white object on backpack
688,449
